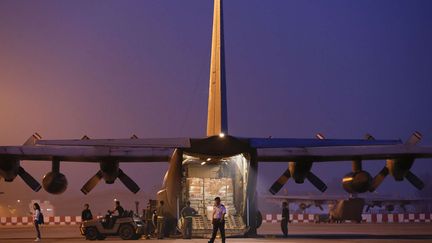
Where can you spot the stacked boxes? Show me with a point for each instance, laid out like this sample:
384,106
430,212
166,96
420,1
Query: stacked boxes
202,192
196,192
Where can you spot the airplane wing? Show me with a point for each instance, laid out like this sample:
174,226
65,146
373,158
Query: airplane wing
86,153
107,152
322,149
131,142
96,150
343,153
301,153
266,143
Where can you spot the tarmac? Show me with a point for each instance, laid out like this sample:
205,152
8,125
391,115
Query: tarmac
418,232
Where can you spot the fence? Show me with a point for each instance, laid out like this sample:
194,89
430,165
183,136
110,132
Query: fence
269,218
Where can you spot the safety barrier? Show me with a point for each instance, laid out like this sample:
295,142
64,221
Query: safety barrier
367,218
269,218
56,220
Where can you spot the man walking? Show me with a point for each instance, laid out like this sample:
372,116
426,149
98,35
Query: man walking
218,221
187,213
161,220
285,219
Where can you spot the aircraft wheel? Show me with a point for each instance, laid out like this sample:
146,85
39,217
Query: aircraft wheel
126,232
91,233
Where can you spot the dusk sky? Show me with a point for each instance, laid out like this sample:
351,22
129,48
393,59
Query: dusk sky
110,69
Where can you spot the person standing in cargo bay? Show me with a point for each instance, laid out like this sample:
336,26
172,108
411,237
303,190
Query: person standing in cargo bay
187,213
160,212
218,221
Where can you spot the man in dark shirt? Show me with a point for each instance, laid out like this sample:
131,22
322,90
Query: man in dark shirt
187,213
285,219
119,209
86,213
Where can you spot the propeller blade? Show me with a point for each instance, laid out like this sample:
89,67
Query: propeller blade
92,182
378,179
277,185
414,139
128,182
317,182
414,180
29,180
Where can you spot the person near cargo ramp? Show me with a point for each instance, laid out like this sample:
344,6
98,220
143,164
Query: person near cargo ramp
187,213
218,221
161,220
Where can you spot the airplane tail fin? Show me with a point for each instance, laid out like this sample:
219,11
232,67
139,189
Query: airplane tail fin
217,105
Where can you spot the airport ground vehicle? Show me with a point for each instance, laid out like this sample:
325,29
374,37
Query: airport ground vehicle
128,227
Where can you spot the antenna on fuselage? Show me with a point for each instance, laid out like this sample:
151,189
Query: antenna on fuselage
217,120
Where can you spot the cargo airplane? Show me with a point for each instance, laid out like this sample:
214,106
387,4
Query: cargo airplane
219,164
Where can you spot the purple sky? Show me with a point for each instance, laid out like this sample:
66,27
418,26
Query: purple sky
109,69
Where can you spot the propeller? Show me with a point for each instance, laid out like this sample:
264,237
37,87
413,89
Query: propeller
92,182
280,182
128,182
110,171
414,180
378,179
29,179
317,182
311,177
125,179
411,178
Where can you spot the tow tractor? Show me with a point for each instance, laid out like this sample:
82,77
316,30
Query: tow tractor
128,227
